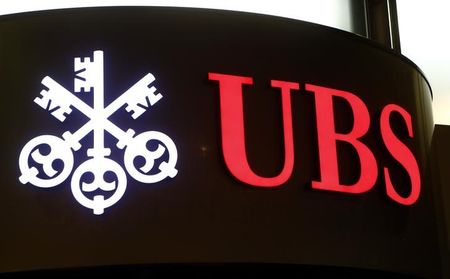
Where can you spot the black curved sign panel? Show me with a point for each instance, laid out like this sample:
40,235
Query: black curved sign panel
162,135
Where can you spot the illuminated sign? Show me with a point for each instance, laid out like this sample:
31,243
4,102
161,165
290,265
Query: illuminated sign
37,166
234,151
275,141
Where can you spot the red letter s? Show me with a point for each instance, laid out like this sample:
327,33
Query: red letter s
401,153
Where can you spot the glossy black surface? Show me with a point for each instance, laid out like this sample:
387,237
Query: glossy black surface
211,271
204,215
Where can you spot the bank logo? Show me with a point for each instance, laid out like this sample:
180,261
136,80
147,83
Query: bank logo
99,182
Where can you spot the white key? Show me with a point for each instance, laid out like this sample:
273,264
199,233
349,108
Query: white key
88,72
58,100
137,99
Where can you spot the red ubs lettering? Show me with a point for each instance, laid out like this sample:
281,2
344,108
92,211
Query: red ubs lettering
233,139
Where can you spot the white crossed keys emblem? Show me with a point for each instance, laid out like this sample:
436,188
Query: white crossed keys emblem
37,166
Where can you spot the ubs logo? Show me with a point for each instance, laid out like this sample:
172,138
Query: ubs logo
37,166
234,149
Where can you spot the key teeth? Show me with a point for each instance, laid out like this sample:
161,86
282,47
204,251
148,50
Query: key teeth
143,101
137,112
51,100
80,62
154,97
149,78
88,71
61,112
43,100
80,86
46,81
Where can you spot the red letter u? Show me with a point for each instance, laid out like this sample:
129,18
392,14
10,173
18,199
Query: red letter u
233,133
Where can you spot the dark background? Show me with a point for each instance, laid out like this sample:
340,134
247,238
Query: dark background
204,215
